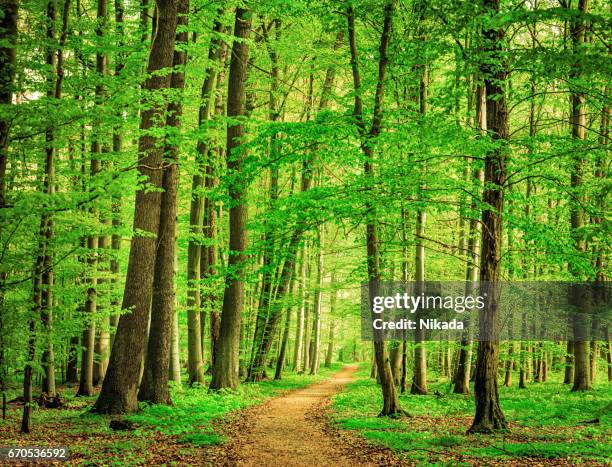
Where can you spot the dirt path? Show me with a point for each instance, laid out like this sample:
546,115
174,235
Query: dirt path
292,430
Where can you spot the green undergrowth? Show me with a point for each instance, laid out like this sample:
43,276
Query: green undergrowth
159,432
547,421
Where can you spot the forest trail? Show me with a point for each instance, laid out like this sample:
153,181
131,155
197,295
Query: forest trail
291,430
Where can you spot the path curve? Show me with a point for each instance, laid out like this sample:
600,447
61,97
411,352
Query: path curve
290,430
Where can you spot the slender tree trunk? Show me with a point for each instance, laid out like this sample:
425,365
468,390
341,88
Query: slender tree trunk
194,249
225,371
120,387
116,200
419,379
280,362
582,378
489,416
8,37
174,372
299,329
391,404
102,340
43,268
45,304
318,299
329,354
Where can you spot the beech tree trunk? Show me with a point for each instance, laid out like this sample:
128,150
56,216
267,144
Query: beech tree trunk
318,298
299,326
329,354
282,354
582,377
154,385
196,216
489,416
120,386
43,268
8,37
225,370
391,404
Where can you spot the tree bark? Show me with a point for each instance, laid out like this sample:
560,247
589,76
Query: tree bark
419,379
299,327
329,354
282,354
8,36
194,249
318,298
489,416
120,387
391,404
582,378
225,371
154,385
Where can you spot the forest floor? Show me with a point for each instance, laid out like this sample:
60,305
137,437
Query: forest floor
182,434
294,430
329,419
548,424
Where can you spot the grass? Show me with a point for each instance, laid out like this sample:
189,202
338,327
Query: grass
547,422
163,435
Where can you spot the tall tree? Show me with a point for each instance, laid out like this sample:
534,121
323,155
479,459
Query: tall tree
8,37
225,370
120,387
154,385
196,215
391,404
489,416
582,377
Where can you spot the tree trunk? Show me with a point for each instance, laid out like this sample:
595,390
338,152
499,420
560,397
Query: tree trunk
391,404
44,301
8,37
102,340
280,362
154,385
489,416
43,268
329,355
419,377
225,370
116,200
299,329
582,379
318,299
120,387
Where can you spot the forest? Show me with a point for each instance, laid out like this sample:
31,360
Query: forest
196,196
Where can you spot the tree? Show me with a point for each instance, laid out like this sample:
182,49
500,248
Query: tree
391,404
489,416
194,255
225,370
154,385
8,36
582,377
120,386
